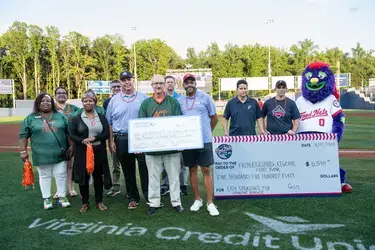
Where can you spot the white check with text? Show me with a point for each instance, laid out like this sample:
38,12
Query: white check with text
276,165
165,134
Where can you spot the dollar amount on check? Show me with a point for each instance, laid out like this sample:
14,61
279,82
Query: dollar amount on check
165,134
276,165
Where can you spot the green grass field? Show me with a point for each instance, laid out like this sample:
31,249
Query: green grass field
21,210
11,119
359,133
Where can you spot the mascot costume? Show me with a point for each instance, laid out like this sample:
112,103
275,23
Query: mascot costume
319,106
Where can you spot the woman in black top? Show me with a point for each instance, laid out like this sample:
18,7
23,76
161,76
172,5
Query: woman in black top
90,128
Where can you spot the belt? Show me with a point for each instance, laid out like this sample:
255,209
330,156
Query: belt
120,134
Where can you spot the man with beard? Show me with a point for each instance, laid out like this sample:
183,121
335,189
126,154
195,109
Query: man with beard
160,105
123,107
170,85
116,165
281,112
243,112
197,102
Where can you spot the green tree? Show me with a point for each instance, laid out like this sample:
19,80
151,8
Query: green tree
36,40
17,46
103,52
65,54
302,54
52,41
119,55
80,61
153,57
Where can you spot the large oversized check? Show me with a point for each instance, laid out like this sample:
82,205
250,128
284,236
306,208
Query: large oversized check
165,133
276,165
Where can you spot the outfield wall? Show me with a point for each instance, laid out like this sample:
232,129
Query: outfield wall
349,100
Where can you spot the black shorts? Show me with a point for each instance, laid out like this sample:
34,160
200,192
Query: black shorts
202,156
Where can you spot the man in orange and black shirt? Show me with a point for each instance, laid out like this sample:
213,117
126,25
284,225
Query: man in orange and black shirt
161,104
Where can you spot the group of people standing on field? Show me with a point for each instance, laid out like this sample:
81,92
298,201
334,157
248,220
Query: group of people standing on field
60,133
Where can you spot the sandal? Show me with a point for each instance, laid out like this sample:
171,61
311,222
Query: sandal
101,206
84,208
73,193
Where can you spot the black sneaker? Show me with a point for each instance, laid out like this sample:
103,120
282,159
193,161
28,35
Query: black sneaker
184,191
179,208
151,210
112,193
164,191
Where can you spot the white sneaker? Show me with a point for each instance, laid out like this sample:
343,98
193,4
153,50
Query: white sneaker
196,206
63,202
47,203
213,210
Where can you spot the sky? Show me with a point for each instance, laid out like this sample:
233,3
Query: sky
198,23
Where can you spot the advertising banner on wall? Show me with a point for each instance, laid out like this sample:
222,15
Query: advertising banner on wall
203,78
99,87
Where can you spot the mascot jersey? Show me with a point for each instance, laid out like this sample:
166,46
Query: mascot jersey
318,117
320,111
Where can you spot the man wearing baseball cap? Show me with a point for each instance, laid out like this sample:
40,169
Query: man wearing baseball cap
170,85
281,112
123,107
197,102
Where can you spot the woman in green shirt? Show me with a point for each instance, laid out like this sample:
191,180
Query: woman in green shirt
68,110
47,130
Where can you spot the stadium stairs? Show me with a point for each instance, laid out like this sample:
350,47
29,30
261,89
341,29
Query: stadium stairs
354,99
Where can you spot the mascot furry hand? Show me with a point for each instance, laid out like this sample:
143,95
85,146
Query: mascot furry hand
320,110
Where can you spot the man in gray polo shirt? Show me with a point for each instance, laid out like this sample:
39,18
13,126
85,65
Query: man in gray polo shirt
243,111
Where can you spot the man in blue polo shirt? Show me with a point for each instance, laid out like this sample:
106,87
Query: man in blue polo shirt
170,85
243,112
197,102
123,107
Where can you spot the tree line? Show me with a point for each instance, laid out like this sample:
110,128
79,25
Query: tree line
41,59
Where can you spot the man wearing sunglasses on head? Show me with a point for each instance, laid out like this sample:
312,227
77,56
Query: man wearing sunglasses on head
281,112
116,165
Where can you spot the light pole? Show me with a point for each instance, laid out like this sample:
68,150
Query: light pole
338,77
134,29
270,21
